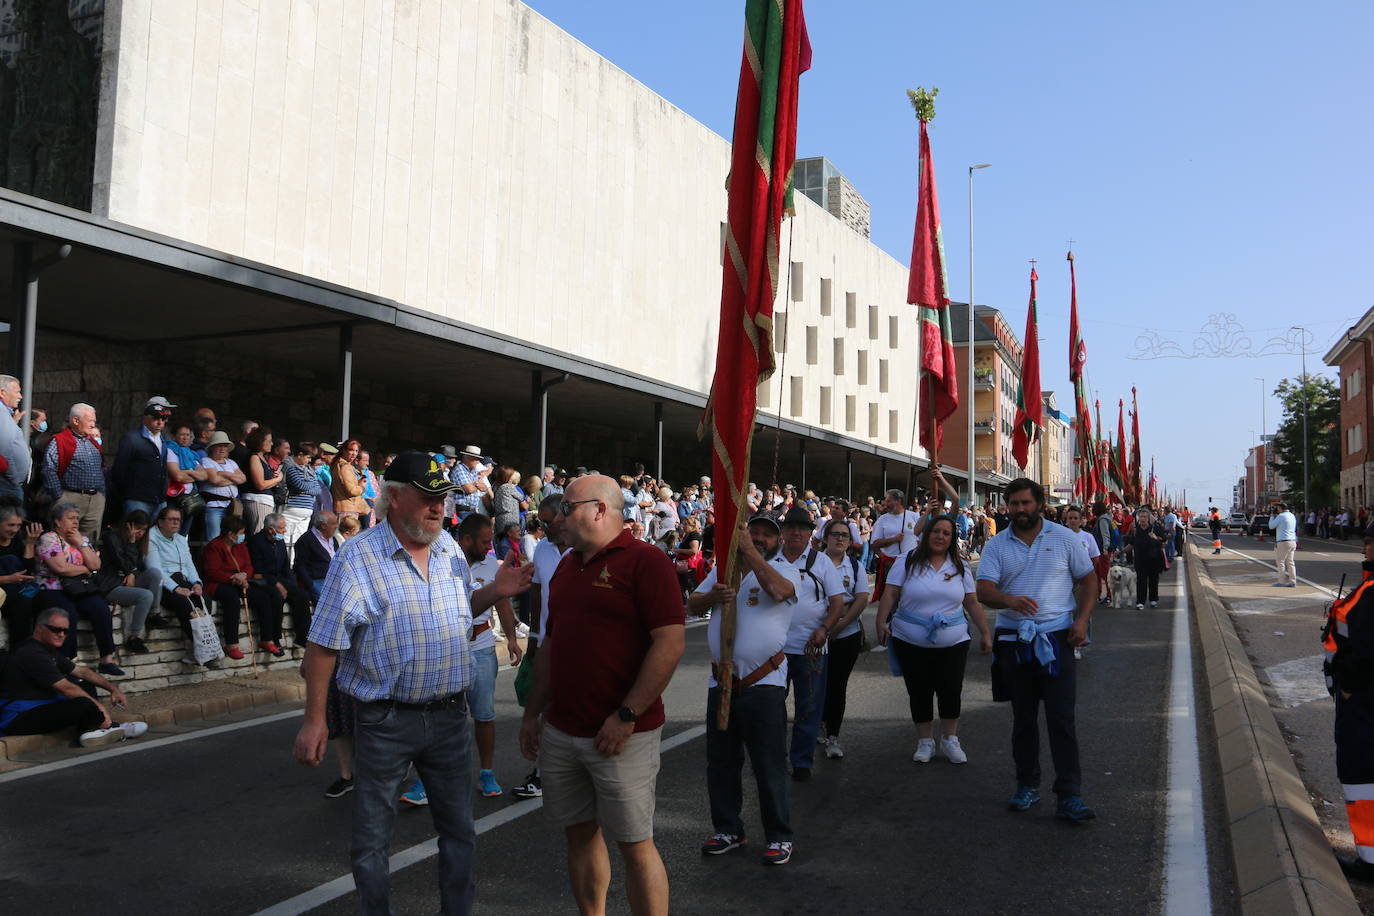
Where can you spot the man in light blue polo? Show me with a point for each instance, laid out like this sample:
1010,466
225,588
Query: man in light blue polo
1285,527
396,611
1038,577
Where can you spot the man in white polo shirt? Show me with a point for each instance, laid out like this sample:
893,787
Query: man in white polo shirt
474,539
893,534
758,703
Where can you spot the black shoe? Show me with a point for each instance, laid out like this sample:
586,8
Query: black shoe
155,621
110,668
135,646
1357,869
339,788
801,774
530,788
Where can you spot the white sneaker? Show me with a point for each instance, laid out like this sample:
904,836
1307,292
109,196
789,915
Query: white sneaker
952,750
924,749
522,630
1078,652
832,748
103,736
1154,604
134,729
1139,607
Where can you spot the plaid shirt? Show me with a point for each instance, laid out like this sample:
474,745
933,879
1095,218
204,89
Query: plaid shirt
466,502
83,473
400,636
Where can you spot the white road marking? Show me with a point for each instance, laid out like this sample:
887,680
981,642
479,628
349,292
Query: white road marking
1186,881
1297,681
133,747
342,885
1276,605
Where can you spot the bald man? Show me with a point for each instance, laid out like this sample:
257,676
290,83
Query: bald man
595,715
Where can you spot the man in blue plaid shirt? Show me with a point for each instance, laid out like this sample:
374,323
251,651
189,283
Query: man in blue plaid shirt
395,613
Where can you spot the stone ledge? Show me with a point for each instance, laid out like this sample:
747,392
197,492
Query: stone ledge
1282,862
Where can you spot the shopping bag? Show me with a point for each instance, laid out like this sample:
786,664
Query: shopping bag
524,678
205,638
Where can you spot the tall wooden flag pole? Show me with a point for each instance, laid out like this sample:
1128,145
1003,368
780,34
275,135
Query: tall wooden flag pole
1030,403
1137,484
928,288
763,151
1078,359
1122,464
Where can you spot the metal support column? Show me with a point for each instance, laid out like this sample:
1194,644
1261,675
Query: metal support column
538,415
345,378
541,416
849,476
35,267
802,485
884,462
19,272
658,440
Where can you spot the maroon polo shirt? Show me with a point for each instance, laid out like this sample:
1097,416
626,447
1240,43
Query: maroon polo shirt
603,612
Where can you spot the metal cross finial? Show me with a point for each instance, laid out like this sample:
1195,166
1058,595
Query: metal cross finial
1033,262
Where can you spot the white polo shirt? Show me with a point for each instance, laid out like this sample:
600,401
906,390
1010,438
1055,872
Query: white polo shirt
854,585
546,557
925,594
888,525
761,623
817,587
480,574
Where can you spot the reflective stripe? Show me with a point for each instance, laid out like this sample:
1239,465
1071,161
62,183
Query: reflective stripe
1361,792
1343,628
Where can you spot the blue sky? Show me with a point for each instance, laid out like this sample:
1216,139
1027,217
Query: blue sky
1204,158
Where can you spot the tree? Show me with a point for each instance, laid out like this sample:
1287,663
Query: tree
1323,439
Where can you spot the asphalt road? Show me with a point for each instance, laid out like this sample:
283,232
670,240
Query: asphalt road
227,823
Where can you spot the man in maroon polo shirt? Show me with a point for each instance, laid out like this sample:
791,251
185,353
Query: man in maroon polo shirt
612,639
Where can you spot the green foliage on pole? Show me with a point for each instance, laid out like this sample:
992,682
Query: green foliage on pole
1324,440
923,102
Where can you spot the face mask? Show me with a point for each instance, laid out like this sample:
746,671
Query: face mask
43,426
238,538
276,536
96,439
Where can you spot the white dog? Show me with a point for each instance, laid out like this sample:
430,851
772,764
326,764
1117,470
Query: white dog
1123,585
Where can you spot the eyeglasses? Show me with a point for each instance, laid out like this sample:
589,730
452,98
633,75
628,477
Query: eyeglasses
568,505
60,631
840,534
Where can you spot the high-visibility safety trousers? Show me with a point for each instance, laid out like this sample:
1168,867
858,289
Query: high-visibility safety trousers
1355,768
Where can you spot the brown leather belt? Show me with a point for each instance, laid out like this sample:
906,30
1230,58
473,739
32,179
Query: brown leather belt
758,674
479,630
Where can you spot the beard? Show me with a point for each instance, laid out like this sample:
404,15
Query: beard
1023,521
418,532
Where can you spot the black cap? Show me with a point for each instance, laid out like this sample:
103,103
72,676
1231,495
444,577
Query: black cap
766,519
798,516
421,471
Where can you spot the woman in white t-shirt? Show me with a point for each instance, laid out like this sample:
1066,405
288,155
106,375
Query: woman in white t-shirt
837,537
926,610
1073,520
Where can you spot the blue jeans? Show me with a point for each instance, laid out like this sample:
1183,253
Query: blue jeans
132,504
1169,546
758,724
214,518
386,740
807,683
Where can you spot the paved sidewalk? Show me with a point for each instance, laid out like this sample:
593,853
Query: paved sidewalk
1280,628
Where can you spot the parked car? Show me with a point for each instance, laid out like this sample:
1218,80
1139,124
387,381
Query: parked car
1237,521
1258,524
1201,520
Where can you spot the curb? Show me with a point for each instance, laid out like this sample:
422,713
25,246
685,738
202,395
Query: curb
14,747
1282,860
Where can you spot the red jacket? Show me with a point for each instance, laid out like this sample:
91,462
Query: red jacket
223,559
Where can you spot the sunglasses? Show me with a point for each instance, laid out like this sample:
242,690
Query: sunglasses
567,507
60,631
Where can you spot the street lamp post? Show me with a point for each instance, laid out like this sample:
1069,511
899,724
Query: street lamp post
1264,423
972,462
1303,339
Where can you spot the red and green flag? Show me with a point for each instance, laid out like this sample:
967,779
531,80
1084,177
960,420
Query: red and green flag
763,152
928,288
1078,358
1030,403
1120,462
1136,484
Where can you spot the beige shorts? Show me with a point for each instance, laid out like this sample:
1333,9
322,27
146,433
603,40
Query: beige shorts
582,785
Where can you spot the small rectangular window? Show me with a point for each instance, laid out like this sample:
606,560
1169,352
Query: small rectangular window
872,420
724,229
893,323
826,306
851,310
863,367
839,356
851,410
882,376
874,322
765,394
796,405
796,281
893,426
825,405
812,344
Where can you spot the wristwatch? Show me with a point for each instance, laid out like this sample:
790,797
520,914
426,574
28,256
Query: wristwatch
627,714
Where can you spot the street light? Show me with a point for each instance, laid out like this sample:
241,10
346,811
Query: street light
1303,338
1264,423
972,462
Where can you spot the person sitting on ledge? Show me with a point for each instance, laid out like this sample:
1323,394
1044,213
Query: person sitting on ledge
44,691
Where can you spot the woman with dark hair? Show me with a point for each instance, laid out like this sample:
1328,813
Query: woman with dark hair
508,501
837,539
17,543
926,608
255,495
125,578
229,580
302,488
344,484
1145,547
66,566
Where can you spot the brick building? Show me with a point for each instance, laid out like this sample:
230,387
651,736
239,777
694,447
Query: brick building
1353,357
997,369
